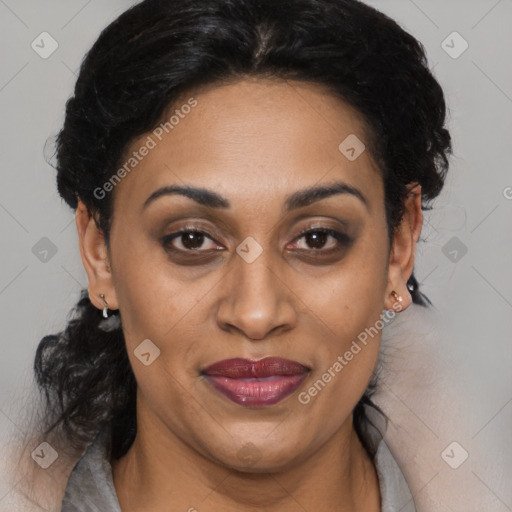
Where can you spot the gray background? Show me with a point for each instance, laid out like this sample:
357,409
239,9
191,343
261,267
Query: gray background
472,292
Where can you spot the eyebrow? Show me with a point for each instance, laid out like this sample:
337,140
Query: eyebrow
296,200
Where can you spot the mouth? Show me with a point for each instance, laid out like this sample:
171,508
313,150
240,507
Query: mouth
256,383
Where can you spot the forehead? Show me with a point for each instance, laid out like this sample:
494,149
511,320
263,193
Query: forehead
255,138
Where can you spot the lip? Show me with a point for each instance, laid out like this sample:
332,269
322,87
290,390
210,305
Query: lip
256,383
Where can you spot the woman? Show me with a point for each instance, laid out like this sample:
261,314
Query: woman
248,179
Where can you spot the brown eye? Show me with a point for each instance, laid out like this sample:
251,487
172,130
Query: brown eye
188,241
323,240
316,239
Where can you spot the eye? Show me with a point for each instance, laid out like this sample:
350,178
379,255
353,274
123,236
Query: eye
188,240
317,240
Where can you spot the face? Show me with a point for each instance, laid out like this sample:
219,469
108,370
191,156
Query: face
256,266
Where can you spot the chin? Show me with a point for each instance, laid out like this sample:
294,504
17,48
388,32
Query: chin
264,458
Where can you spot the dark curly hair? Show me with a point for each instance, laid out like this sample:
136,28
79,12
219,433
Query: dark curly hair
159,49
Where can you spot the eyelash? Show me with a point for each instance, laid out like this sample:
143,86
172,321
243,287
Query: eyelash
343,240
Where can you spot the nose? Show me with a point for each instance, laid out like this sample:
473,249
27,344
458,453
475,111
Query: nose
257,300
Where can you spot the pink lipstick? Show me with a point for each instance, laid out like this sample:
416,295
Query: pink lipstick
256,383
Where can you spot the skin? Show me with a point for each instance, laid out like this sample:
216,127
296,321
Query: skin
255,142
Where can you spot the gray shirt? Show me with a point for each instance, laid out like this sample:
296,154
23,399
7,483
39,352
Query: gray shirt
91,488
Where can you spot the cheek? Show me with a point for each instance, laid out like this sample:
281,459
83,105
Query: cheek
352,318
347,356
159,303
348,306
151,293
350,298
163,310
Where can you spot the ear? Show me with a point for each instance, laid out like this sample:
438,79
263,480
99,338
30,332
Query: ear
95,259
402,254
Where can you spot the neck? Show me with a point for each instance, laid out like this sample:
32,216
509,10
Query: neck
160,472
